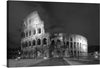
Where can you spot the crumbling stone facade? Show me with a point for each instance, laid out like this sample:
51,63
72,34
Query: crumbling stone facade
37,43
77,45
34,36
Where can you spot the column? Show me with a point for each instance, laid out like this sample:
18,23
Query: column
69,47
73,48
31,43
31,48
42,47
41,41
79,49
76,49
36,42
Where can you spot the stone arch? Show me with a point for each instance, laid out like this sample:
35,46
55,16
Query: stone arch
38,42
71,44
71,39
39,30
33,42
58,41
26,44
29,43
44,41
52,42
23,34
26,33
30,33
66,44
75,45
34,32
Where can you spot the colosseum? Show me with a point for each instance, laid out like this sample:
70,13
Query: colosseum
34,36
77,45
37,43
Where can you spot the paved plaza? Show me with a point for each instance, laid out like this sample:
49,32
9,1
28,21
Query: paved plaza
50,62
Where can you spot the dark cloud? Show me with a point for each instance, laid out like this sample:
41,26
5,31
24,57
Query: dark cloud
58,17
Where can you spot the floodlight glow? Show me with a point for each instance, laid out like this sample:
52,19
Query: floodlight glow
84,48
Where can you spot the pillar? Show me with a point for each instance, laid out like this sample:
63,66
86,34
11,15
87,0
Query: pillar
76,49
31,43
69,48
73,48
79,49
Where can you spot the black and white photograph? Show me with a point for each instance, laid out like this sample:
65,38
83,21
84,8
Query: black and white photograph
41,33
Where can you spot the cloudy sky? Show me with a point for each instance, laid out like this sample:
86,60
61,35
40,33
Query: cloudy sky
70,18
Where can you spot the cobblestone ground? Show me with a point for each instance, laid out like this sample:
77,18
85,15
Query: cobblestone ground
83,61
52,62
22,62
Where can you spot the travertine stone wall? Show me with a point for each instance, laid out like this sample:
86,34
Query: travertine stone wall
34,35
77,45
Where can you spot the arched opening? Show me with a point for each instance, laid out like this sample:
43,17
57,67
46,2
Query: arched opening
75,53
67,43
39,30
71,44
29,33
58,42
34,32
52,42
38,42
29,43
26,44
52,46
71,39
75,45
26,34
22,34
33,42
71,53
45,41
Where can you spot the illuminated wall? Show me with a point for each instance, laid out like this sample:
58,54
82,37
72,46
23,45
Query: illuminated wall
77,45
35,42
34,35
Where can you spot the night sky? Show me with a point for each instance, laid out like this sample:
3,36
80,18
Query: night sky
70,18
